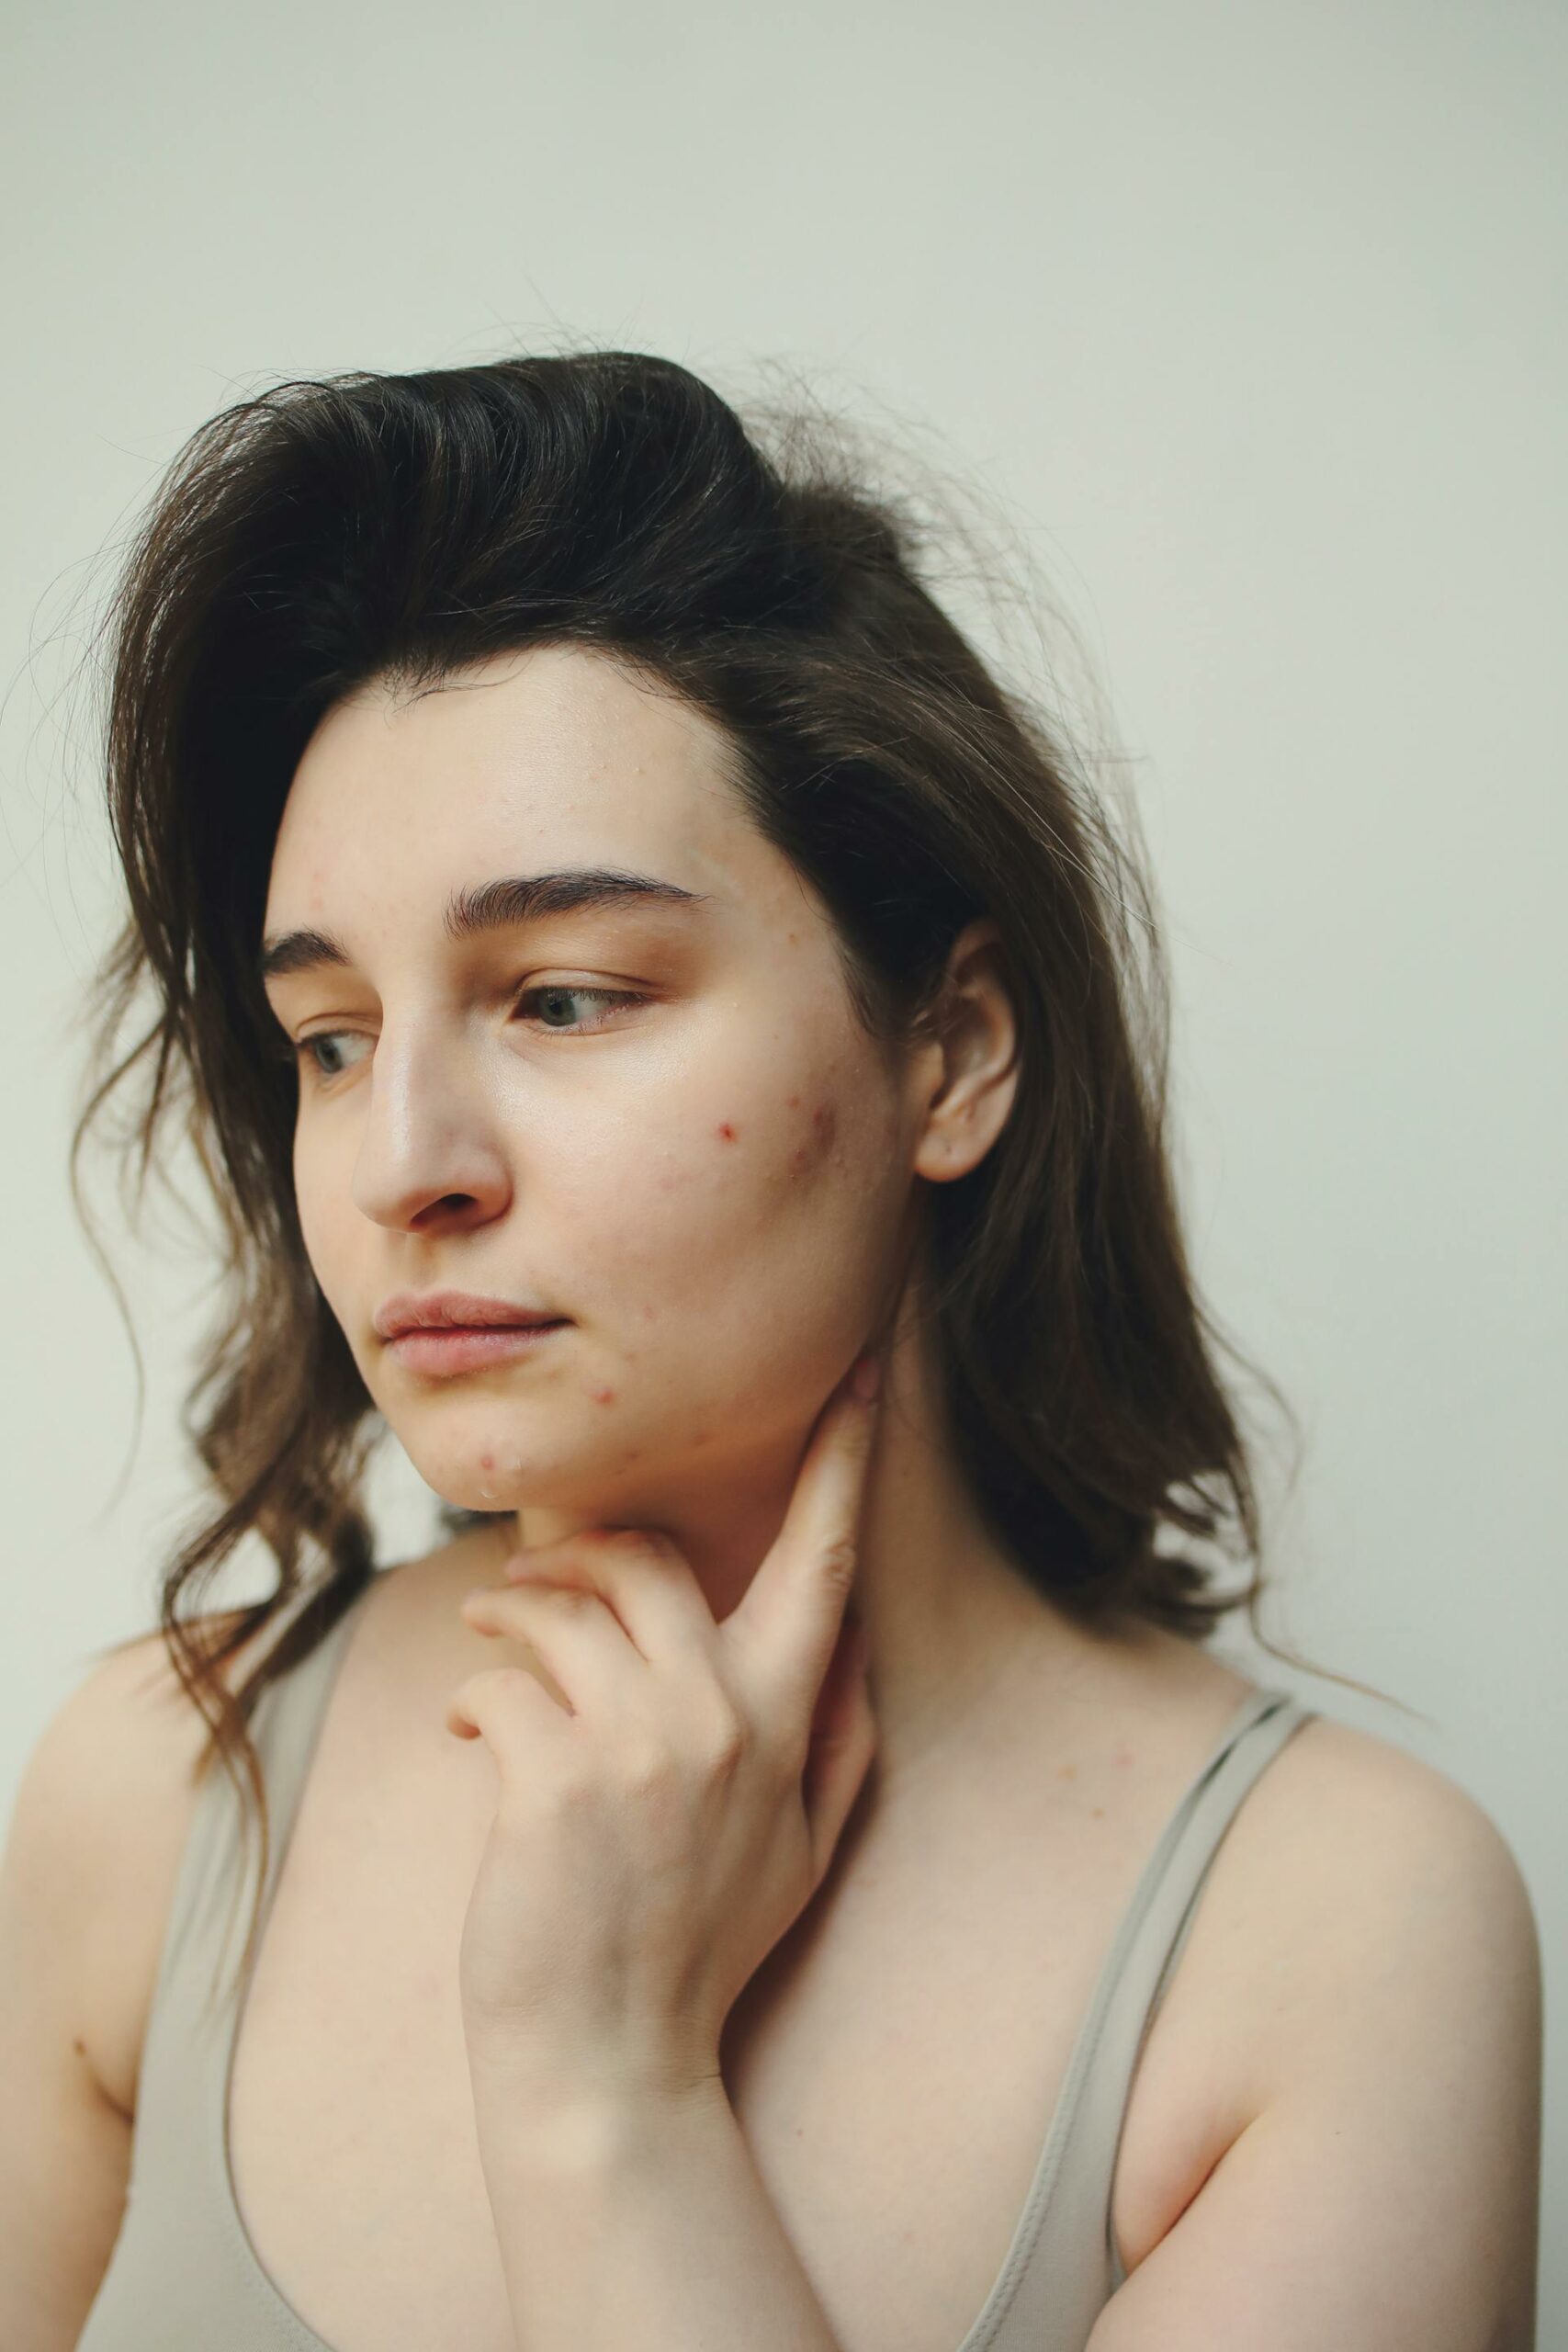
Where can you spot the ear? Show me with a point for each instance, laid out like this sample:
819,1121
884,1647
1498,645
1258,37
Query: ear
969,1071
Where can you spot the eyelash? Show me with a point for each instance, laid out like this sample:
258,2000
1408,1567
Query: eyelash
302,1050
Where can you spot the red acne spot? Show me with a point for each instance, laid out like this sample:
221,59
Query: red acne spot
825,1120
602,1395
647,1314
487,1462
795,1102
799,1161
1123,1755
726,1131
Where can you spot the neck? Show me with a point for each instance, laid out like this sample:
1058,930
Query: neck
954,1625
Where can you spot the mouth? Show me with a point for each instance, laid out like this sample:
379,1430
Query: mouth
445,1349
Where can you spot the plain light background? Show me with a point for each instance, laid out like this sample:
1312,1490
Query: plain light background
1251,321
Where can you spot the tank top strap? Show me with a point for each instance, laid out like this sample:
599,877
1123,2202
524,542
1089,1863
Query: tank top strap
1063,2265
179,2144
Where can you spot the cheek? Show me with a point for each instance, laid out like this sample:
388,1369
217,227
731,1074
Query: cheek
749,1181
815,1148
315,1222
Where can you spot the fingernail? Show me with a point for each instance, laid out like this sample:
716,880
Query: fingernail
866,1378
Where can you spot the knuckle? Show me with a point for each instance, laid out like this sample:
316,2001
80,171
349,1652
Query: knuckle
505,1681
645,1543
840,1560
572,1599
721,1737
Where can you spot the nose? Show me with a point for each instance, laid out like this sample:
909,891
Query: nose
430,1152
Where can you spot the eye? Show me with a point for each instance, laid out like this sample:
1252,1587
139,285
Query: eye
306,1049
566,988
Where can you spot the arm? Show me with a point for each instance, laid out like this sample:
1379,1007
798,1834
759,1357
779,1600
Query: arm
64,2148
1385,2193
91,1856
643,2225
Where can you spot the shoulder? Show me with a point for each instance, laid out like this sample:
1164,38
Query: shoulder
1385,1859
97,1829
119,1732
1357,1880
1366,1958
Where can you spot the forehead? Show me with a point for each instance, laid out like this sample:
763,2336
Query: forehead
554,756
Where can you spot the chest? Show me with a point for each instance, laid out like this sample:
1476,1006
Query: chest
894,2068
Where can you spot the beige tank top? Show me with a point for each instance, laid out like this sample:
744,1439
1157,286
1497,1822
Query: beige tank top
184,2277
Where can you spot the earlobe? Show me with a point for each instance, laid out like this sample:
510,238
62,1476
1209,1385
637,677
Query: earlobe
943,1156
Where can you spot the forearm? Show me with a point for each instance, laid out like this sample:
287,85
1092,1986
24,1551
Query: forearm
645,2228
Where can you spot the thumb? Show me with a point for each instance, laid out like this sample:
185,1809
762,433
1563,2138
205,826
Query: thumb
783,1626
843,1741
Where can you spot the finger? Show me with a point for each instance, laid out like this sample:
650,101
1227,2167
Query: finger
513,1714
843,1747
642,1575
577,1637
785,1624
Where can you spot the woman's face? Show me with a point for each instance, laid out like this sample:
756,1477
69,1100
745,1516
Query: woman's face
706,1169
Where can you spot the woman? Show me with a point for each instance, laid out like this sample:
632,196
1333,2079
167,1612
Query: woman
586,879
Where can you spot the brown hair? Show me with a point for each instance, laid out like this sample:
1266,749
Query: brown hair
396,527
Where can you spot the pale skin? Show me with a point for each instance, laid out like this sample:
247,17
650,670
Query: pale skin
720,1185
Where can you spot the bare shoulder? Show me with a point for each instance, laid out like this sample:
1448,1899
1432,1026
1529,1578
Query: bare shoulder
121,1735
1367,1959
1378,1852
1355,1876
111,1784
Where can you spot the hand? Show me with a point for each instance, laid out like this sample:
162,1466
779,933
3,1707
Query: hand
652,1846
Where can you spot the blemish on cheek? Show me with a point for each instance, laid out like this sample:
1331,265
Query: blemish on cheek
487,1462
602,1395
825,1120
1066,1771
795,1102
726,1131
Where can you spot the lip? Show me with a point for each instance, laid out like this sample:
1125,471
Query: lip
452,1350
448,1310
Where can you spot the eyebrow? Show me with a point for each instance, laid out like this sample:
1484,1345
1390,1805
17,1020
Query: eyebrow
498,905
